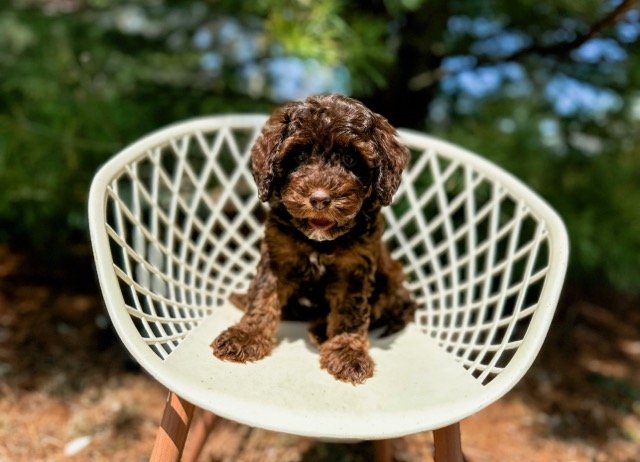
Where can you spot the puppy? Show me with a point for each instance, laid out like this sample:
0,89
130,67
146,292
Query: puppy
326,166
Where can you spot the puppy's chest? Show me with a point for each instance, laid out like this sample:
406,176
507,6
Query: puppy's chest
310,266
316,264
301,262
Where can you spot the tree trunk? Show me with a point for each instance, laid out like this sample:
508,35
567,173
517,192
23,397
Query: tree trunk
419,52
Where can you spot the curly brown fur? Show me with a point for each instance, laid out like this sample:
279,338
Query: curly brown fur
326,165
345,356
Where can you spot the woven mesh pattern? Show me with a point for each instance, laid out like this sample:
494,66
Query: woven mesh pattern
475,258
184,224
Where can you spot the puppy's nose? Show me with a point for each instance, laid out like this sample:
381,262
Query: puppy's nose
320,199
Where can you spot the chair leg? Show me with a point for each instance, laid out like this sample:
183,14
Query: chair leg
173,430
382,451
447,444
203,423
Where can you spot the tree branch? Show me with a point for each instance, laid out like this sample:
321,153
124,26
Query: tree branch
426,79
563,48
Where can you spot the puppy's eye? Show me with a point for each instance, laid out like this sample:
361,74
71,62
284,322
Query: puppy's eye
300,156
348,159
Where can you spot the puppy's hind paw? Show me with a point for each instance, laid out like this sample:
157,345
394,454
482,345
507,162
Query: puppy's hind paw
345,356
239,345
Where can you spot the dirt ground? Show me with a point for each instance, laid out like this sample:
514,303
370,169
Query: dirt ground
68,390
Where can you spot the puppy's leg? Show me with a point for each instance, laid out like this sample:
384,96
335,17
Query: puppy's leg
239,300
318,331
395,309
345,354
253,337
392,306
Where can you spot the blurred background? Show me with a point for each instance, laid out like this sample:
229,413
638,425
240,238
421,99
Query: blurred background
548,90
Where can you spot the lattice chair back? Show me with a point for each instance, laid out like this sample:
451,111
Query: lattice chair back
176,223
183,222
478,248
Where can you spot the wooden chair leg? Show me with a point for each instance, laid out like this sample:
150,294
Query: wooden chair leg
382,451
173,430
447,444
203,423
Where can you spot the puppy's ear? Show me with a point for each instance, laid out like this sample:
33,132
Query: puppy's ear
265,151
393,158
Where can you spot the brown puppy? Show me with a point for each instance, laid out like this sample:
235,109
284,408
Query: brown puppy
326,166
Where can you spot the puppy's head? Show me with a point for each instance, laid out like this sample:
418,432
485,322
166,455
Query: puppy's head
322,158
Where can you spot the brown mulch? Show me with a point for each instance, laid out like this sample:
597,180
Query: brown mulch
68,390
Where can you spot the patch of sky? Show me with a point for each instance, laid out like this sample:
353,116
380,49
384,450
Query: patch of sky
628,30
479,27
458,63
479,82
634,106
570,97
253,79
600,50
439,110
211,62
550,132
229,30
506,125
293,78
203,38
466,105
503,44
586,143
565,34
244,49
237,43
133,20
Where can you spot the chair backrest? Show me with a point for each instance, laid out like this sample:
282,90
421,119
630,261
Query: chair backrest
176,221
484,255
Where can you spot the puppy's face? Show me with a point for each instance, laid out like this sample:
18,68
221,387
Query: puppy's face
323,188
323,158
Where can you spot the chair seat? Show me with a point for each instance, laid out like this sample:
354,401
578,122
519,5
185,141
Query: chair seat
416,385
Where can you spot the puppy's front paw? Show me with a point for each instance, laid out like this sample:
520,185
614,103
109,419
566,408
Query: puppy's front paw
345,356
239,345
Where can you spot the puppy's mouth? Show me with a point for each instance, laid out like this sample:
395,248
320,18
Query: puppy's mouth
321,223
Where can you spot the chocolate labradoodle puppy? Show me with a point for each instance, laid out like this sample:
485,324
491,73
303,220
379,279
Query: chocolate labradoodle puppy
326,165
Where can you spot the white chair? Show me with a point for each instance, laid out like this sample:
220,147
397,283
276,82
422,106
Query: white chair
175,222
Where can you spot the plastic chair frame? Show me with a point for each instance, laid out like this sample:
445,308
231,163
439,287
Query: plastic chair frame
475,226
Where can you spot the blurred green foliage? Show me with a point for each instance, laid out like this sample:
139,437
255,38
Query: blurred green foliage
74,90
80,79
